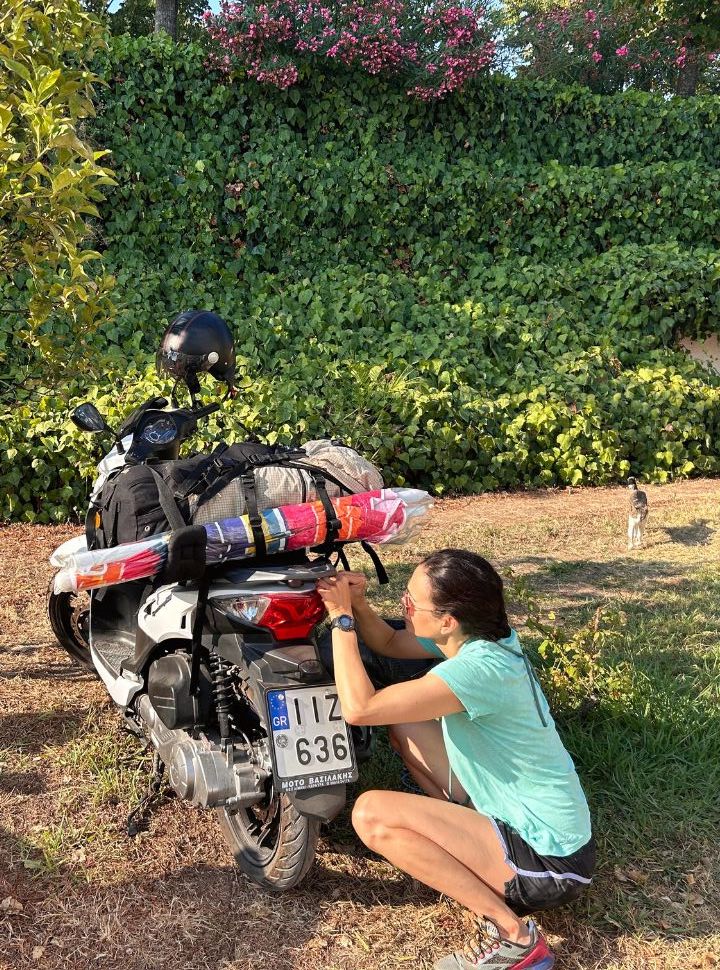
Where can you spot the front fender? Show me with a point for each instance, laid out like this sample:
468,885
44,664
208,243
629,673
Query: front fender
322,803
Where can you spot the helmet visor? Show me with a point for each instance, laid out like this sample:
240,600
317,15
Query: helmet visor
178,364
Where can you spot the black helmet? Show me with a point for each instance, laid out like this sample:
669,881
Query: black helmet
198,340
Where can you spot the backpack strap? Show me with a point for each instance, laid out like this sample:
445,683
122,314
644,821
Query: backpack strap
167,502
319,477
380,570
219,471
206,474
333,522
315,469
248,486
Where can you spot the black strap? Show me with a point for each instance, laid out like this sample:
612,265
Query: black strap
315,469
198,624
218,471
207,473
333,522
380,570
167,502
114,526
248,486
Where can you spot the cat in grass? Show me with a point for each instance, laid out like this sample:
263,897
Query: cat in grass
637,516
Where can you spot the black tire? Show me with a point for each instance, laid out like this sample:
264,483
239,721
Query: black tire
274,845
69,615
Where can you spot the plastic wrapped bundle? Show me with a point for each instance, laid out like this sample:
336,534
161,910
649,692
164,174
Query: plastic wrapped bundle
381,516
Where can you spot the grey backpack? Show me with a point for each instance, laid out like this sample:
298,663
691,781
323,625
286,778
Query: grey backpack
289,479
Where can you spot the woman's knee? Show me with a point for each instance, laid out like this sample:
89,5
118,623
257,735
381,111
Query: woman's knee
369,816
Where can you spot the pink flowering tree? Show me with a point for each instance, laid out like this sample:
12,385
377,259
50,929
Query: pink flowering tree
611,46
433,48
699,29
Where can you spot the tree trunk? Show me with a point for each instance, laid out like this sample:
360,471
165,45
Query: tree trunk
166,17
689,76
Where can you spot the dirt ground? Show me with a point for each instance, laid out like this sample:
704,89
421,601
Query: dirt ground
76,892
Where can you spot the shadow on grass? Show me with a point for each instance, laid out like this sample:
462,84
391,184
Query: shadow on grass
32,732
698,533
60,670
580,580
215,917
22,782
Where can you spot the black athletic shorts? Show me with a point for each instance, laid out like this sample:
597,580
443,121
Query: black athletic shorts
543,882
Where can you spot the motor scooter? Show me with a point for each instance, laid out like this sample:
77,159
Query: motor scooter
220,673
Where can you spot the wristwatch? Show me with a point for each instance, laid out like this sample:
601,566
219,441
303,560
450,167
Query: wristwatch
344,622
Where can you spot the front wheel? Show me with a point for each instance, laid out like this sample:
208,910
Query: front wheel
69,615
273,843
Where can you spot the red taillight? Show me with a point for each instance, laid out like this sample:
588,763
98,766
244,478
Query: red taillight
290,616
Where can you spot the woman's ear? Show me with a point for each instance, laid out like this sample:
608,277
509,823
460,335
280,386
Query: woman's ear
448,625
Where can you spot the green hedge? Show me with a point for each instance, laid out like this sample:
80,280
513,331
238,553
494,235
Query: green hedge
479,293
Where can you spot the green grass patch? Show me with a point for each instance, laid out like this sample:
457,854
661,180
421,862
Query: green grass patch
107,764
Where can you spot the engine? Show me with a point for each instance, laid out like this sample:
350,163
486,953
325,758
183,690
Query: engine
204,768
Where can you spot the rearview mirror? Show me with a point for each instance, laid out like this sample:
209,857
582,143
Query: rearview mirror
88,418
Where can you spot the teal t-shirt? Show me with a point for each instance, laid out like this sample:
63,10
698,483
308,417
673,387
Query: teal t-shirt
512,767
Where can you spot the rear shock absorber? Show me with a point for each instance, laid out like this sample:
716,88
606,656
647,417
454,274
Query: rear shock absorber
222,691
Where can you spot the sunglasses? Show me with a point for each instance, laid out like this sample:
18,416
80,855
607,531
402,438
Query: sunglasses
410,607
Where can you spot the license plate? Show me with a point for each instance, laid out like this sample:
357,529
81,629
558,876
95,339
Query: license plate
311,743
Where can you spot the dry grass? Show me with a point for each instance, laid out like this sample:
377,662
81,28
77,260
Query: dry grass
171,899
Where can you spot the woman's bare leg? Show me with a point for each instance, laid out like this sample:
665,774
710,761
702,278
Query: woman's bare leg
422,748
448,847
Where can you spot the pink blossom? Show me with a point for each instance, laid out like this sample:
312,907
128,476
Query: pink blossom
597,56
622,51
445,48
590,16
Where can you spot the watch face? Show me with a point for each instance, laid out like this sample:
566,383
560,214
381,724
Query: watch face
345,623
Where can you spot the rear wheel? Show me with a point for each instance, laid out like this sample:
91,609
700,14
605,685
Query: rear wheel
69,615
273,843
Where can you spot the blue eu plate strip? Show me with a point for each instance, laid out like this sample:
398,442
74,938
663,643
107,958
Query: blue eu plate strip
277,705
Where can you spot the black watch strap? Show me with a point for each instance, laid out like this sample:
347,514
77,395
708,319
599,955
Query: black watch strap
344,622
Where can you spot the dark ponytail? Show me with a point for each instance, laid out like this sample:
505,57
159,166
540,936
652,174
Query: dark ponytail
467,587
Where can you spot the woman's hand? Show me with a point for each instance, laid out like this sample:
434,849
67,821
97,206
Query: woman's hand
336,594
358,588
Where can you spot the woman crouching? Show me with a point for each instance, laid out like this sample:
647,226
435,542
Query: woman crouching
506,829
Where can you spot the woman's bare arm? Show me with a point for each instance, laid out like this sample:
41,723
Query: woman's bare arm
413,700
384,639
